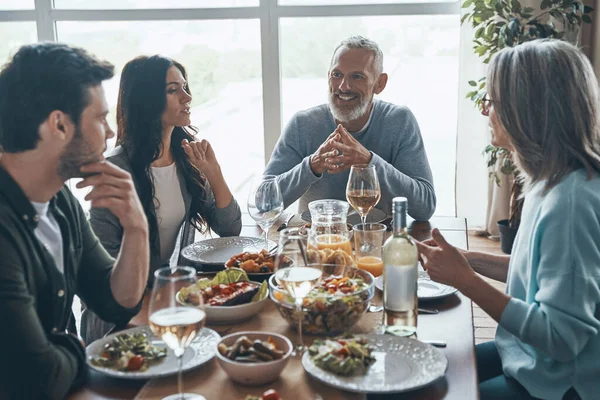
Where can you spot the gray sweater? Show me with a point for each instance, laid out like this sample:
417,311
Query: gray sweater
224,221
392,135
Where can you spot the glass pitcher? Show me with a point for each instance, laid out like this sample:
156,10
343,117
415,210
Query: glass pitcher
329,229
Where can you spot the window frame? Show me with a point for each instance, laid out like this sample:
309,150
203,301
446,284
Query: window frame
269,12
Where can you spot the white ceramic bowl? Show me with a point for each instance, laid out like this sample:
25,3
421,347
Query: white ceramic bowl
232,314
258,373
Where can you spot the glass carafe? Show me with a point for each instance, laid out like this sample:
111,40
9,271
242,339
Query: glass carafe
328,230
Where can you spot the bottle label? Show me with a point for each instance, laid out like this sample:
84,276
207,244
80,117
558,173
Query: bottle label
400,287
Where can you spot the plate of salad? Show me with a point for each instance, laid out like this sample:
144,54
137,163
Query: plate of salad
374,363
137,354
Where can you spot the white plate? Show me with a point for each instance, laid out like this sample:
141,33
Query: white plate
220,250
231,314
426,288
401,365
375,215
201,350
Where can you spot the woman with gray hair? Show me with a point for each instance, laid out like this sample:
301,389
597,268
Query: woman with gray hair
543,106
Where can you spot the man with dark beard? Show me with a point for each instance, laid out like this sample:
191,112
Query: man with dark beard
52,128
315,152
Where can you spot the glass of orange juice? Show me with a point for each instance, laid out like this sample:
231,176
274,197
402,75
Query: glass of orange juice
368,244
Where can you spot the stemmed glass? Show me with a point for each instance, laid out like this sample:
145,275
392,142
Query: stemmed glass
294,273
176,324
265,203
363,192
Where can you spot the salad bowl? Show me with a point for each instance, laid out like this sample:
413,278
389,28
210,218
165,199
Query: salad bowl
333,306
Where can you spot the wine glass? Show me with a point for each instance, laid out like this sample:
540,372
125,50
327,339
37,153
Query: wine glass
176,324
363,192
294,273
265,203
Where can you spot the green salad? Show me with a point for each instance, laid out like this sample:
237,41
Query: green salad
331,308
129,352
343,357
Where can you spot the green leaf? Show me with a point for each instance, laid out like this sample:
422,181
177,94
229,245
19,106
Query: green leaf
263,292
516,6
586,18
472,83
545,4
471,94
587,9
467,4
464,17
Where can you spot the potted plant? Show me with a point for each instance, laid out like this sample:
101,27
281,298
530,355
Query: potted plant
501,23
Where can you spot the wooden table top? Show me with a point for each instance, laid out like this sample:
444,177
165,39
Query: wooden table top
454,324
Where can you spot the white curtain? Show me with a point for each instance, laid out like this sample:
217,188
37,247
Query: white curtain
473,135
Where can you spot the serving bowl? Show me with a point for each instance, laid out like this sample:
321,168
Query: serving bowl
255,373
230,314
324,313
236,262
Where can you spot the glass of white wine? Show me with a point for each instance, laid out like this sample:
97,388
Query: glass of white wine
265,203
176,324
363,192
294,273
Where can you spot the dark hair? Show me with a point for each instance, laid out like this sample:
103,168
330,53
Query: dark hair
142,101
41,78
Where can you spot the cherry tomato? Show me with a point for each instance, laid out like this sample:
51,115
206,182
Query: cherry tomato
271,395
135,363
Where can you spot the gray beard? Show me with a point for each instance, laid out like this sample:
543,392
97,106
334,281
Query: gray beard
343,115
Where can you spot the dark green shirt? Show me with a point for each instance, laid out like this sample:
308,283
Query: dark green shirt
39,359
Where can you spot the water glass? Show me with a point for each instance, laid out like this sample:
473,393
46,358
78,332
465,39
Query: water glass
368,245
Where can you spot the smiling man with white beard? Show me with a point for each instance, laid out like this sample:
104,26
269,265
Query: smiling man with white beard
314,154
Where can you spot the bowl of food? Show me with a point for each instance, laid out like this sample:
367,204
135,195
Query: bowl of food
254,358
339,300
258,266
230,297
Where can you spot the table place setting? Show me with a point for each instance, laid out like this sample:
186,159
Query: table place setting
306,316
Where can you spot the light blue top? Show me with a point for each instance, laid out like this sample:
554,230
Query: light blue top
548,337
392,135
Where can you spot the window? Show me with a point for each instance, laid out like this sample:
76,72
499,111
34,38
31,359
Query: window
236,49
14,35
421,59
141,4
348,2
223,62
16,5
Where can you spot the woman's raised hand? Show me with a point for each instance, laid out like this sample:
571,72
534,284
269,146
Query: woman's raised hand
202,156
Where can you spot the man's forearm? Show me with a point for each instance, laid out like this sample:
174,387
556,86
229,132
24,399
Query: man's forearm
494,266
130,273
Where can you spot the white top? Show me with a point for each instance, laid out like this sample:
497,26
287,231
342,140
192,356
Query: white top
48,232
170,208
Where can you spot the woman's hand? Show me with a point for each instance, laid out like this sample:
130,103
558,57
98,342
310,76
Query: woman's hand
202,156
445,263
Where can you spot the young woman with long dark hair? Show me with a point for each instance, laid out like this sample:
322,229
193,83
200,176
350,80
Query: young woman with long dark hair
177,178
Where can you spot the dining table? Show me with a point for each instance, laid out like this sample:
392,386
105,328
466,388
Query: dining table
453,324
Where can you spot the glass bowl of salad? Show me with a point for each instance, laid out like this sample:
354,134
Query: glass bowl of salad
337,302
